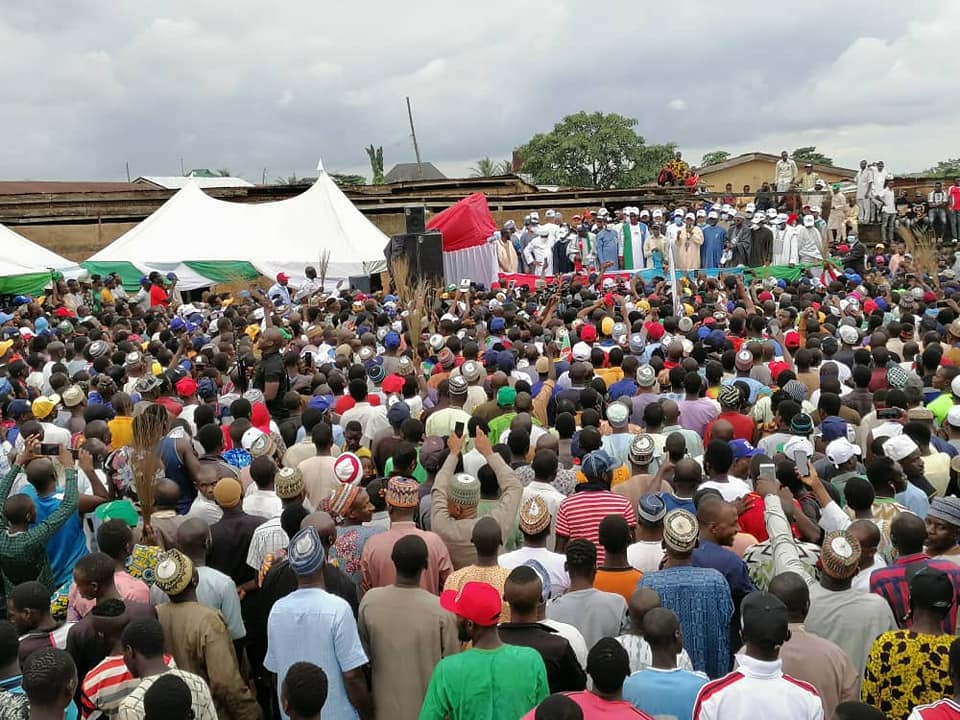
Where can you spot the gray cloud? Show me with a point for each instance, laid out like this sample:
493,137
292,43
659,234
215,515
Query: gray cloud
91,84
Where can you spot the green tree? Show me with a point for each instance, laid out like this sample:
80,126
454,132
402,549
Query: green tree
486,167
945,169
714,157
345,180
809,154
592,150
376,163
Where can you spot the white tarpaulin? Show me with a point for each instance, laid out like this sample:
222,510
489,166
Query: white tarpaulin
282,236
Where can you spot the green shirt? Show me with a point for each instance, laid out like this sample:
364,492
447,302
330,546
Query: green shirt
940,406
501,684
23,556
419,472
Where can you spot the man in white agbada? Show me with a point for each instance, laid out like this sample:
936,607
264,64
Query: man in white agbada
538,254
672,231
785,172
633,238
810,242
863,179
785,242
551,225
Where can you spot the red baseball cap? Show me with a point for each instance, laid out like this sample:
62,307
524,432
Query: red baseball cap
588,333
186,387
392,384
282,277
654,330
478,602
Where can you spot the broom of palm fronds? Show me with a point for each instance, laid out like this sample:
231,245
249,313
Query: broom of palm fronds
419,307
922,244
145,461
400,270
324,265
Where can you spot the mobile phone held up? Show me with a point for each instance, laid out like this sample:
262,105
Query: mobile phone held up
768,471
51,449
458,429
800,458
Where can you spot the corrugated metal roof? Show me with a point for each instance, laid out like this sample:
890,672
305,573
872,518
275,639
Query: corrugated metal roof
175,182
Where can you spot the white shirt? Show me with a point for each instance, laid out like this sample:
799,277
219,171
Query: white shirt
372,419
572,636
553,562
205,510
761,690
551,497
262,503
888,200
731,491
268,538
645,555
281,292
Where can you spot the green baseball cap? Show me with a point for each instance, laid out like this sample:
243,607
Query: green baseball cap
118,510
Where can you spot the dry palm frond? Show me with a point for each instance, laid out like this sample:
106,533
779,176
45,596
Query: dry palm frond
400,270
324,265
922,244
419,310
149,429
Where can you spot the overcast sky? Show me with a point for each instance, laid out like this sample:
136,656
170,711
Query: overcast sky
247,86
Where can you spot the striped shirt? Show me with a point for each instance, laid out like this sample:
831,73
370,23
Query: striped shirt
580,514
203,709
107,684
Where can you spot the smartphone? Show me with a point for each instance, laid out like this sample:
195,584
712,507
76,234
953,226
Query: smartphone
464,284
458,429
768,471
308,358
800,458
892,413
52,449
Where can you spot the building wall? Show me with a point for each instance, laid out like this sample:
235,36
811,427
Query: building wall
74,242
754,174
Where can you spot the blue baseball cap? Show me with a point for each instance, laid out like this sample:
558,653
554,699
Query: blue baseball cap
321,402
497,324
177,324
833,427
391,340
743,449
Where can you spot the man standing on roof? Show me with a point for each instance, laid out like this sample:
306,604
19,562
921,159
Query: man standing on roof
785,173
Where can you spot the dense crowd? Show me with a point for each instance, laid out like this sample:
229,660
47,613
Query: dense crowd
796,218
581,499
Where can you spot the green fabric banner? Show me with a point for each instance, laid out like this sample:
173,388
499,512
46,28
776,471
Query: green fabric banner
222,271
28,284
128,273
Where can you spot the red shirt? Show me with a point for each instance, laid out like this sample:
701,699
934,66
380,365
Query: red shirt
945,709
752,522
595,707
580,514
743,426
158,296
953,195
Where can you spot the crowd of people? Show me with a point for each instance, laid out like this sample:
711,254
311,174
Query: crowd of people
581,499
796,218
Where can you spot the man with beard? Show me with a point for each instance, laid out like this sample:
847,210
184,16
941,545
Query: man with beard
714,238
491,679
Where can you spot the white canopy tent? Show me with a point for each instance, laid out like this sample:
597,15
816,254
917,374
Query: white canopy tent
193,233
22,260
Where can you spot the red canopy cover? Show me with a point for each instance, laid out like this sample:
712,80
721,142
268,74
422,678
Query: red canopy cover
466,224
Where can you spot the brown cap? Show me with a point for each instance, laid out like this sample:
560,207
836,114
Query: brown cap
534,516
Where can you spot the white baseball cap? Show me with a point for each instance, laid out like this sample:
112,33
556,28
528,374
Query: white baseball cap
841,450
899,447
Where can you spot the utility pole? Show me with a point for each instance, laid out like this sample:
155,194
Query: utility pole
413,133
128,170
181,168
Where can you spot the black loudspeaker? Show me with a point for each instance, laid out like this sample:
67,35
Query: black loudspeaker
424,252
416,218
361,283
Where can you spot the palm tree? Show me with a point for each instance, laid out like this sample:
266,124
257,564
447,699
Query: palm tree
486,167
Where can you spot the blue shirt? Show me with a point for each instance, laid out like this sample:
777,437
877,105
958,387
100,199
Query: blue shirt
670,693
315,626
714,237
672,502
915,499
756,387
66,545
710,555
704,613
607,248
626,387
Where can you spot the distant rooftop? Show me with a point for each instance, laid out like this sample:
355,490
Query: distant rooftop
35,187
202,177
409,172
